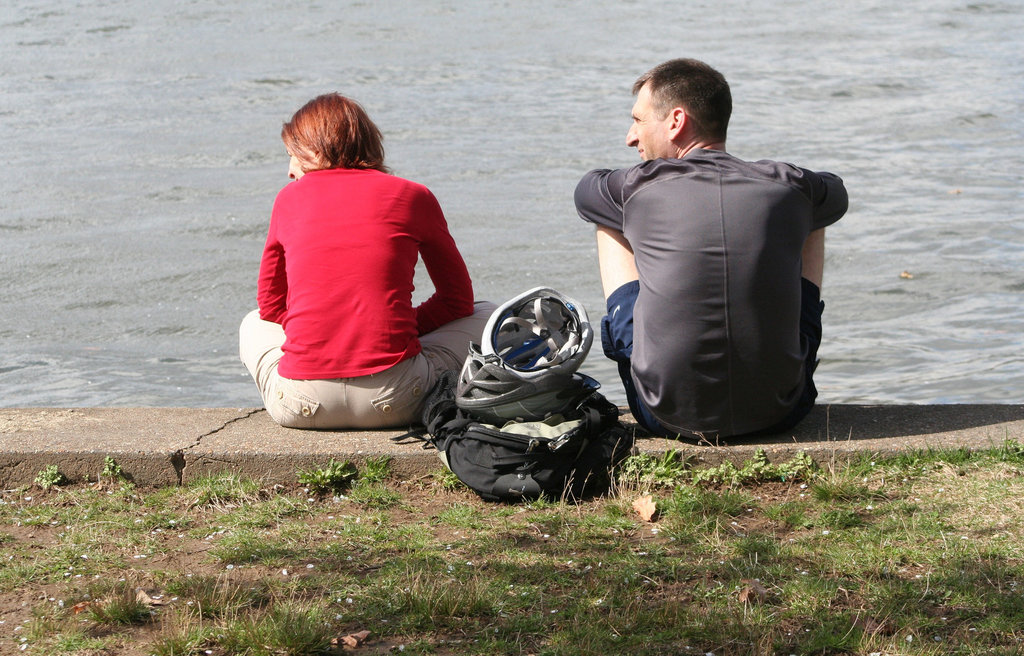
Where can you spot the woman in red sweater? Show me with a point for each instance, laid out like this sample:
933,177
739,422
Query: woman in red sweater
336,341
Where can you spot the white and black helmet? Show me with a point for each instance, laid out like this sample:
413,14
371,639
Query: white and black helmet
538,332
525,367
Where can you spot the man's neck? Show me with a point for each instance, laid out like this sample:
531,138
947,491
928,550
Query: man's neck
700,145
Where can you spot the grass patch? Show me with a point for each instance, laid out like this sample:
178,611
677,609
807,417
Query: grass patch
375,495
287,627
447,480
117,604
212,597
247,546
919,554
225,491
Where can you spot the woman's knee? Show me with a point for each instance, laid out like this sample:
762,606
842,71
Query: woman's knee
448,346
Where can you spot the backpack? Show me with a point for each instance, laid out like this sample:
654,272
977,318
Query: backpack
569,453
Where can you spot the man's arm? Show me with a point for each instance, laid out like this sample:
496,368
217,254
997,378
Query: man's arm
615,259
599,201
598,198
830,199
813,257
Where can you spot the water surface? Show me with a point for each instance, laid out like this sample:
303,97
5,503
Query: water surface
143,157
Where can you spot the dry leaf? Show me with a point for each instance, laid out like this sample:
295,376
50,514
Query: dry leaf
81,607
753,592
352,640
143,598
646,508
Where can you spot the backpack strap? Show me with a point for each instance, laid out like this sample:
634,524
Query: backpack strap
438,409
414,435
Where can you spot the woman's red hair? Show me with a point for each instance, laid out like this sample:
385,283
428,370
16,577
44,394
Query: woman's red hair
334,132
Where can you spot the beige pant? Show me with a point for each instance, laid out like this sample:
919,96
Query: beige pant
392,398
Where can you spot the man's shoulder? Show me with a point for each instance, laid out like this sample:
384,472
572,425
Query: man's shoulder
728,163
703,163
722,164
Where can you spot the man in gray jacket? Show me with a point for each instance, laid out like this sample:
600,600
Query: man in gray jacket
711,266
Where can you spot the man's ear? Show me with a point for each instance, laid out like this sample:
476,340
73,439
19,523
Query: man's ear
677,122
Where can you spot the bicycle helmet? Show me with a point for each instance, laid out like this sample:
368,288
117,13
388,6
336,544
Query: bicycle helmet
526,367
538,332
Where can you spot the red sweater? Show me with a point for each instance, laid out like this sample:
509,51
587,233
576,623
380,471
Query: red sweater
337,272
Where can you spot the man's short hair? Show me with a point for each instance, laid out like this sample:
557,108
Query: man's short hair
696,87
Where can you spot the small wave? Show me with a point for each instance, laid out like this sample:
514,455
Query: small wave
989,8
24,365
108,29
42,43
100,304
274,82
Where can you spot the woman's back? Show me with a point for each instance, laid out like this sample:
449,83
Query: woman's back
338,270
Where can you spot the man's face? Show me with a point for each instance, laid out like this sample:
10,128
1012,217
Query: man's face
649,134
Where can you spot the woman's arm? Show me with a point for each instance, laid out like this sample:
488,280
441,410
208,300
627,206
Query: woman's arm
272,286
453,289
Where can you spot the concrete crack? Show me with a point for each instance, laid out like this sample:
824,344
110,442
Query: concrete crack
178,460
225,425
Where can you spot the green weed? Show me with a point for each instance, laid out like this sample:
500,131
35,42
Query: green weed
758,470
644,470
427,597
112,470
462,516
75,640
375,469
1010,451
49,477
691,500
334,477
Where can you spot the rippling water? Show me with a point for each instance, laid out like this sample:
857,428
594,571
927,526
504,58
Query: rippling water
142,151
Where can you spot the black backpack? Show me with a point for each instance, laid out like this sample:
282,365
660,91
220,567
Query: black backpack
568,454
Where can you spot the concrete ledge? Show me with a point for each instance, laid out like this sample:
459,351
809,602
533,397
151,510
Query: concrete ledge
170,446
